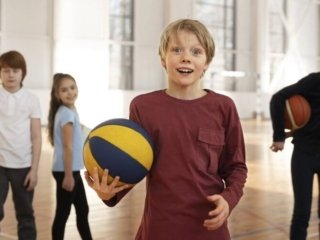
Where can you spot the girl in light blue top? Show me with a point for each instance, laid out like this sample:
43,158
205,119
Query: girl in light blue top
64,132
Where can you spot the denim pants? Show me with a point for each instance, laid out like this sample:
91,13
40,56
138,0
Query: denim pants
304,166
22,201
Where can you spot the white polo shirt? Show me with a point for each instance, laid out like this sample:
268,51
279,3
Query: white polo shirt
16,111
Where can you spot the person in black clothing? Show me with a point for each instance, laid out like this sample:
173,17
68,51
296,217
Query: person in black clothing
305,161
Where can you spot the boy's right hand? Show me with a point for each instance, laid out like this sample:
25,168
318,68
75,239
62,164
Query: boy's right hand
277,146
104,190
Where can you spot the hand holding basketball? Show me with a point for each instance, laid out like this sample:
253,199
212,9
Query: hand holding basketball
296,115
122,147
104,190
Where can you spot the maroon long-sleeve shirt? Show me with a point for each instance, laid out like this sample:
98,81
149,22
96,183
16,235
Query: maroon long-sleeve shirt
199,151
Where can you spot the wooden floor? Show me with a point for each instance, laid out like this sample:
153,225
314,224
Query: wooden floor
264,212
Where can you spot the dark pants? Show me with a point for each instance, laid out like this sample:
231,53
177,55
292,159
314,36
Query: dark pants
304,166
65,199
22,201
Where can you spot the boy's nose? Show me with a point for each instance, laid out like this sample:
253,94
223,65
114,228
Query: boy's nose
185,57
185,60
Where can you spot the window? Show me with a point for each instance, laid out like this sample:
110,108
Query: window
219,18
121,36
277,35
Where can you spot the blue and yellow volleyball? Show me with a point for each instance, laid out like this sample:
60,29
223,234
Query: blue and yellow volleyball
123,147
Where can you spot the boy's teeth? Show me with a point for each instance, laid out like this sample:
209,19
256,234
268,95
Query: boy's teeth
185,70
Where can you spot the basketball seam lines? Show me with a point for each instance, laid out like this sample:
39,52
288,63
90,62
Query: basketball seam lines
294,125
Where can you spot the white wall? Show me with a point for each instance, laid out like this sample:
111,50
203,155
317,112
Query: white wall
148,25
80,44
26,27
246,46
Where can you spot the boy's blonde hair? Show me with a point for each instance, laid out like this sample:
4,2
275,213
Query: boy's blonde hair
192,26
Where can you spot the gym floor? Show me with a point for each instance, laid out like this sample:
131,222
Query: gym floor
263,213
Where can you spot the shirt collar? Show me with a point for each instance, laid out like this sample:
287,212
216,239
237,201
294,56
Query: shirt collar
7,93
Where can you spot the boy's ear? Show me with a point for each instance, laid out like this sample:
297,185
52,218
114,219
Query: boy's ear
206,67
163,63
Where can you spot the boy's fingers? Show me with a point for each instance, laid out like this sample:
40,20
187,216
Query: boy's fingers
104,179
95,175
115,181
88,178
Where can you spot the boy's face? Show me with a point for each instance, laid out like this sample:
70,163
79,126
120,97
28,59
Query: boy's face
11,78
185,60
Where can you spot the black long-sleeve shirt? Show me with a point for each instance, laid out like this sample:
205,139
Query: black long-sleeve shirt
308,137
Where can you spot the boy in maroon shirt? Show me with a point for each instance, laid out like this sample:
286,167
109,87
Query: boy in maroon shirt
199,169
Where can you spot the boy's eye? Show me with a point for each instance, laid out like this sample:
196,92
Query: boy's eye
5,70
176,50
12,70
196,51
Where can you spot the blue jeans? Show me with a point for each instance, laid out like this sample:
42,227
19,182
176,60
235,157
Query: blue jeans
304,166
22,201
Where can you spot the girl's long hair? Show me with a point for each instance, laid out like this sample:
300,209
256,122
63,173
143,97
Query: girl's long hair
55,102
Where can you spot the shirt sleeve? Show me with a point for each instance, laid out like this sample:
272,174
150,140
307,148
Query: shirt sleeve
67,116
277,103
35,107
233,168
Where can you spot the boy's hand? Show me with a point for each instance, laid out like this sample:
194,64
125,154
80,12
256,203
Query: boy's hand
277,146
31,180
219,214
104,190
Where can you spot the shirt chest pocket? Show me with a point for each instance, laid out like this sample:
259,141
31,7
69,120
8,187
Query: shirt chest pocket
209,148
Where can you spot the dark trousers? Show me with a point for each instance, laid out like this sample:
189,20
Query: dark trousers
65,199
304,166
22,201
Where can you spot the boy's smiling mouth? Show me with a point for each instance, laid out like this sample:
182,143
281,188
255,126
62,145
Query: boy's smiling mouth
185,70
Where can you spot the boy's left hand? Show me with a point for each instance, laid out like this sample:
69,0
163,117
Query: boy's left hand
31,180
219,215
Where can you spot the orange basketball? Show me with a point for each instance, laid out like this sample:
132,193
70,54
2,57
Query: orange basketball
297,112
